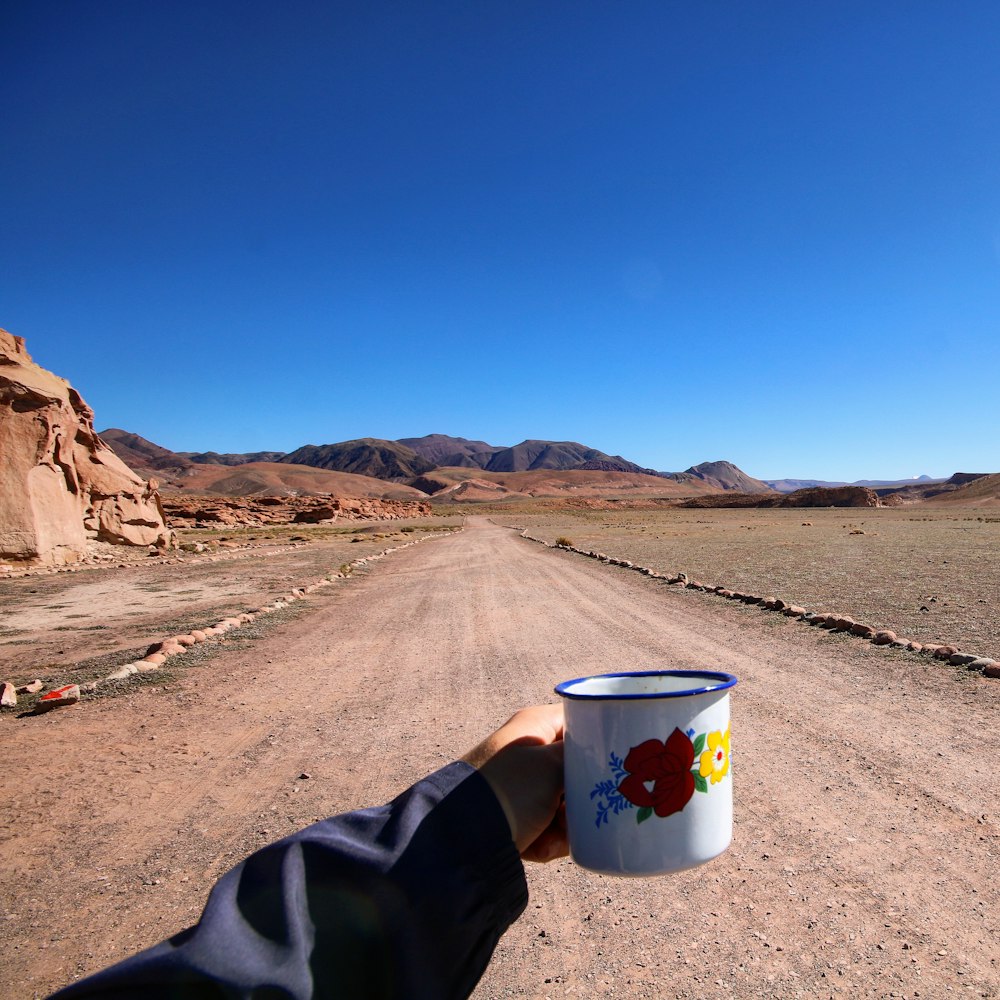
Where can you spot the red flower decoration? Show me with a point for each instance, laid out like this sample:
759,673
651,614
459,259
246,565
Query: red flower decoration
666,764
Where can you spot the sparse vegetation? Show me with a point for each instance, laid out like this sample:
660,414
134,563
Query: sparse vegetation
563,542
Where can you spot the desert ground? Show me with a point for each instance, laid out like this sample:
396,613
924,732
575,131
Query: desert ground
932,573
865,856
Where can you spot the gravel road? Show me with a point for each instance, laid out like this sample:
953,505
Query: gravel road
866,853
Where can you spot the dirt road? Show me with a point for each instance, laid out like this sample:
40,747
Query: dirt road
867,847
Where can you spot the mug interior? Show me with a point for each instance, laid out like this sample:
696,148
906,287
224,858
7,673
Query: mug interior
646,684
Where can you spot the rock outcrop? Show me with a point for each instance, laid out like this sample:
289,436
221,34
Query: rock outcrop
816,496
60,485
217,512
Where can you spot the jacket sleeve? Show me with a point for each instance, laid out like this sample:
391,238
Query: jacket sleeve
404,900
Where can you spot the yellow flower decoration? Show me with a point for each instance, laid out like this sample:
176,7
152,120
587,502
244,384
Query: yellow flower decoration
714,762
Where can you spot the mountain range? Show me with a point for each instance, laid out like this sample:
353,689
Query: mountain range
460,468
411,458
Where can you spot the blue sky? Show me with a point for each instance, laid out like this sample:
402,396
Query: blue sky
767,232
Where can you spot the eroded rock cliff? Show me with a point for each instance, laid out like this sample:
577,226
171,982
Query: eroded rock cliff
60,485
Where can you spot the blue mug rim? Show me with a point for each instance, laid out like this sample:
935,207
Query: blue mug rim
725,680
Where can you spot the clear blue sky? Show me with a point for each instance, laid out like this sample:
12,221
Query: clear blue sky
767,232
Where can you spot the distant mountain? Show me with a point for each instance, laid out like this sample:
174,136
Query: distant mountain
141,455
454,452
530,455
364,457
790,485
727,476
214,458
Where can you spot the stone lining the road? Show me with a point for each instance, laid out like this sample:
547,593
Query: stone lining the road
833,621
159,652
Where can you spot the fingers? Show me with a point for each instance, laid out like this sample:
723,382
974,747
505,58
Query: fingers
542,722
551,843
537,725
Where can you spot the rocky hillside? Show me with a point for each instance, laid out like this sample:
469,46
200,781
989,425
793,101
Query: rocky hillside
815,496
364,457
970,491
141,455
727,476
214,458
452,452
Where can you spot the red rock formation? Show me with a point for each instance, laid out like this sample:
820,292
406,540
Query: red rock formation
814,496
184,511
60,485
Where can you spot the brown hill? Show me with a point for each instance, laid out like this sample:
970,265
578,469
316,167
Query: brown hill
143,456
727,476
441,449
980,491
563,482
530,455
364,457
177,474
281,478
214,458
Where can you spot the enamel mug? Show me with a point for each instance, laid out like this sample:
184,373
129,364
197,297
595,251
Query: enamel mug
649,782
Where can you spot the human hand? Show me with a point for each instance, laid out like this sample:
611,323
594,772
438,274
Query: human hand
523,764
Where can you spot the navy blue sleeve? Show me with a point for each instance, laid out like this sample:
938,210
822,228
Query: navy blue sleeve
407,900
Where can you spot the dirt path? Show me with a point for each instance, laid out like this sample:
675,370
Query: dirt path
865,860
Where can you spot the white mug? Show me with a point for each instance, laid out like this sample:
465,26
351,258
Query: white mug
649,786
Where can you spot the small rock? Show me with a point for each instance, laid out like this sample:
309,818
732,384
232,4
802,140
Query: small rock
184,640
68,694
845,623
915,646
155,658
993,670
883,637
944,652
8,695
793,611
305,776
198,635
860,629
980,663
961,659
126,670
33,688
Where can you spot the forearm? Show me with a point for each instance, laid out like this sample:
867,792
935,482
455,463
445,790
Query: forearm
404,900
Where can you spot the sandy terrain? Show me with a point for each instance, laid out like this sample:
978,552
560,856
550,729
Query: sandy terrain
932,574
75,627
865,859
